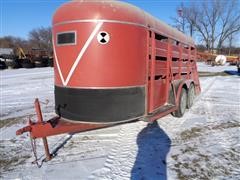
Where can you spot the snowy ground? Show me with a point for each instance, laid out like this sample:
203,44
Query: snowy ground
20,87
204,144
202,67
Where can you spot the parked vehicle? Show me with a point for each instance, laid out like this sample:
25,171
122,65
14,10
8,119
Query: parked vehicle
216,59
40,57
17,58
8,59
25,60
2,63
238,66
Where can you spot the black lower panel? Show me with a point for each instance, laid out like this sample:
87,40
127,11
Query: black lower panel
99,105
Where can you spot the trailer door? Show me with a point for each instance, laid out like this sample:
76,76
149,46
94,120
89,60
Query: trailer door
158,81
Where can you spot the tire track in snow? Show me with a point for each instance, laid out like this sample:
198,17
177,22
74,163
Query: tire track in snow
188,114
206,89
121,158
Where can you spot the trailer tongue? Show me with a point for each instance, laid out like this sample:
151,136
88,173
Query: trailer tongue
43,129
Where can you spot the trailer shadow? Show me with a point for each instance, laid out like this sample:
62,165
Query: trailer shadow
233,72
56,149
153,147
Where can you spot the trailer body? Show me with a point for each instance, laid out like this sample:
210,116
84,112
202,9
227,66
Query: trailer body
113,64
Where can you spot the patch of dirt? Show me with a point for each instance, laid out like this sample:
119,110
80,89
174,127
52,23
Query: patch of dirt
8,164
12,154
202,166
196,163
209,74
192,133
11,121
226,125
198,131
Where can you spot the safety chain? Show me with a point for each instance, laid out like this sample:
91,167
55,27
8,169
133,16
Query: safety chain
34,149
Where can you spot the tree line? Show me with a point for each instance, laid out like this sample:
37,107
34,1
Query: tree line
39,38
214,23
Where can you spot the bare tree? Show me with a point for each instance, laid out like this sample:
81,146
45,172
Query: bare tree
180,19
14,43
41,38
214,20
230,39
229,21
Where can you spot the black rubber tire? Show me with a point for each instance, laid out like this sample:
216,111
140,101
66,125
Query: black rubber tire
13,64
2,65
27,64
182,104
40,64
190,96
50,62
7,56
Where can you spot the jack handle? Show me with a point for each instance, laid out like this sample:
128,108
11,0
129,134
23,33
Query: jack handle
23,130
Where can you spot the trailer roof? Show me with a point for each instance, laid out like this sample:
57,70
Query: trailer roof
115,11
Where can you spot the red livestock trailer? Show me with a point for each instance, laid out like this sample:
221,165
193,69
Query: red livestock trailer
115,63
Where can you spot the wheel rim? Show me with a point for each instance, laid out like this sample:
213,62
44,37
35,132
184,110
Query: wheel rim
183,102
191,96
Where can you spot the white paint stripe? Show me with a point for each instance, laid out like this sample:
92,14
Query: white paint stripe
99,20
56,60
98,26
81,53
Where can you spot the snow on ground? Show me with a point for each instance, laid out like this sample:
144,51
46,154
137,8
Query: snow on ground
202,67
20,87
204,144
